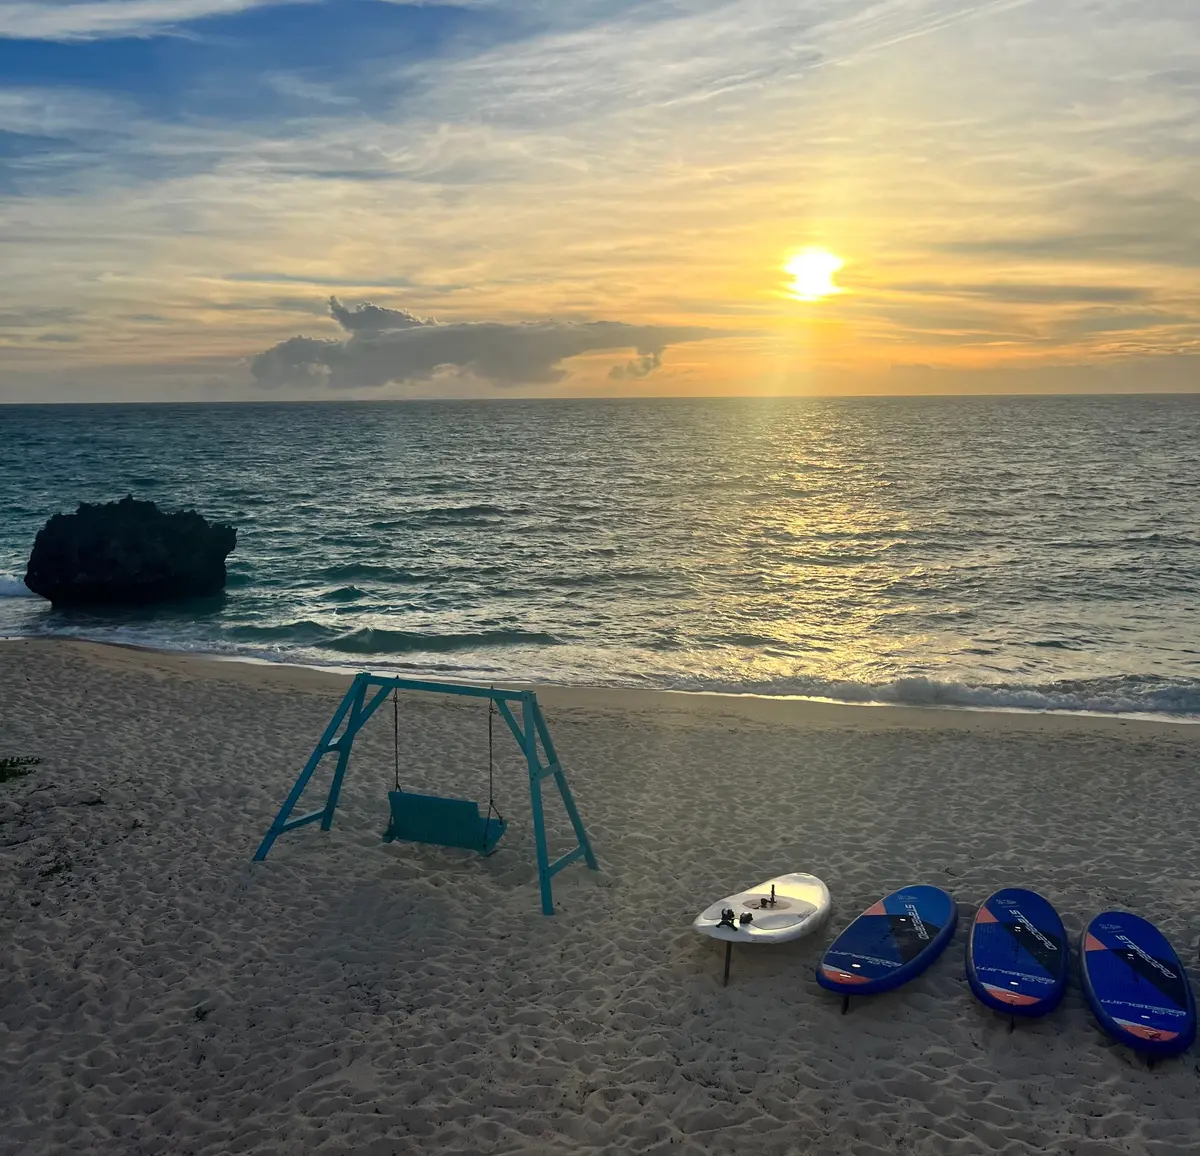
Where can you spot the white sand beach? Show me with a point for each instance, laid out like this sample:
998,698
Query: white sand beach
162,994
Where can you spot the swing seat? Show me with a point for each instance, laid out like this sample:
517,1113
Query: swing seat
443,822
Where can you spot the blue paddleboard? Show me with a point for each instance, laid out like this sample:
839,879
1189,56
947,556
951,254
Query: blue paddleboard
1136,986
889,943
1017,954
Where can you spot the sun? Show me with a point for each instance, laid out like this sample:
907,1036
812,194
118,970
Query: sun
812,273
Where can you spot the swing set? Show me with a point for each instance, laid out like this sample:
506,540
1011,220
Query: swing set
445,822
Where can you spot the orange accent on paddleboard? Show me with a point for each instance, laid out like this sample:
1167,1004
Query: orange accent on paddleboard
1091,943
1015,998
844,976
876,909
985,915
1145,1033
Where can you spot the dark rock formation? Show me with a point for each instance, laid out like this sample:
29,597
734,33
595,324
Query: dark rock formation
128,553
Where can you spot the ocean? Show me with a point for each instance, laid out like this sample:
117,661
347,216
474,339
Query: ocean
1022,552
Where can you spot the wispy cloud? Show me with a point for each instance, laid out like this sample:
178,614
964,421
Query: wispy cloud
56,20
1026,293
35,317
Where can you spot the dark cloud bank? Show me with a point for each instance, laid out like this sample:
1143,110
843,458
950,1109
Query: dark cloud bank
393,345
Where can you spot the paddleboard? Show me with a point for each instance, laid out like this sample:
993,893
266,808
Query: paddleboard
890,943
801,906
1136,986
1017,954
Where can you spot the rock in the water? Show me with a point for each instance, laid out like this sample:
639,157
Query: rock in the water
128,553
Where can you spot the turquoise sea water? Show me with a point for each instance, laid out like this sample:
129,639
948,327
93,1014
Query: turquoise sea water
1024,552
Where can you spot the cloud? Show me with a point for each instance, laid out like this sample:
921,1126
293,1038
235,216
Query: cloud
279,304
1026,293
1125,321
1173,373
36,19
647,362
370,318
394,346
271,277
31,317
1116,219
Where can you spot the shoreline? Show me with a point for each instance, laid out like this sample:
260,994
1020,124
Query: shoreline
796,710
939,684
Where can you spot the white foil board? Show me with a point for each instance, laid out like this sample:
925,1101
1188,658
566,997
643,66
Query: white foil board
802,906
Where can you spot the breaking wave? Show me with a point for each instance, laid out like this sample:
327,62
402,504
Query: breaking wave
14,587
1119,695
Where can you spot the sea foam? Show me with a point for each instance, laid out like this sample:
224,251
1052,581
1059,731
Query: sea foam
12,586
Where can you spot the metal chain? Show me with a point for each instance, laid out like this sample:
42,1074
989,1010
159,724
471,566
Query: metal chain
396,739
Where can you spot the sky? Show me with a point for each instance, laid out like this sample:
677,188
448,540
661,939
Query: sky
255,200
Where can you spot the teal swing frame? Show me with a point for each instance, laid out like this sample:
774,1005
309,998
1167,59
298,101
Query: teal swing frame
369,691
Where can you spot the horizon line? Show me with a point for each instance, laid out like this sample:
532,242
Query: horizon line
602,397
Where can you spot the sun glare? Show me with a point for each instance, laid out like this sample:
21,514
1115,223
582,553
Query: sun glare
812,273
